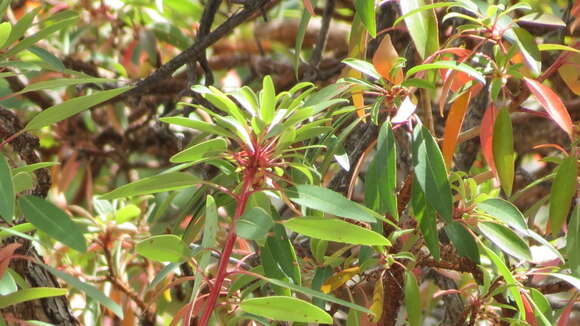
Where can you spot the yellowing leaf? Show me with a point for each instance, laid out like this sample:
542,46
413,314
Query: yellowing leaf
385,59
338,279
378,299
453,126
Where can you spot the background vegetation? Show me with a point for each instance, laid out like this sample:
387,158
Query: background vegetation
263,162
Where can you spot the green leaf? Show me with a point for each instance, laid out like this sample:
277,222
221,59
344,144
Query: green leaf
91,291
208,241
448,64
422,26
61,82
462,240
5,30
506,240
254,224
529,48
365,9
364,67
562,194
503,150
427,220
163,248
300,35
318,294
506,212
510,280
43,33
198,125
71,107
30,294
171,34
22,26
200,151
431,174
328,201
337,230
543,19
53,221
33,167
48,58
22,181
286,308
21,228
267,100
573,242
423,8
556,47
7,194
221,101
284,254
412,300
381,177
127,213
150,185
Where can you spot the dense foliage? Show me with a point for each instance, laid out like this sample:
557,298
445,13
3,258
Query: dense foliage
263,162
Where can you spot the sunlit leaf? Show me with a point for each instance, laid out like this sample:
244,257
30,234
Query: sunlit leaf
506,212
506,240
363,66
335,230
503,150
53,221
286,308
562,194
365,10
198,125
453,126
448,64
163,248
529,48
338,279
267,100
201,150
71,107
543,19
5,30
159,183
422,26
552,103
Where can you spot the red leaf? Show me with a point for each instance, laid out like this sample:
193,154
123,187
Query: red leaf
530,317
552,104
385,59
309,7
486,136
6,254
565,316
453,126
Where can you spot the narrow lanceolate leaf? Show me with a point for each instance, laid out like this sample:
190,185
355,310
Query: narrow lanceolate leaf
25,295
331,202
365,9
503,150
431,174
385,58
254,224
88,289
267,100
378,300
53,221
573,242
5,29
381,178
71,107
150,185
448,64
453,126
61,82
7,195
506,212
198,125
335,230
529,48
510,280
287,309
486,136
427,220
422,26
363,66
506,240
163,248
338,279
462,240
412,300
552,103
563,191
200,151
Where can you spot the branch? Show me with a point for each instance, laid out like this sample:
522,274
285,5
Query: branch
196,50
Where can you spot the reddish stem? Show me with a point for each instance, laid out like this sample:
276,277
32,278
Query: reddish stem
229,247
